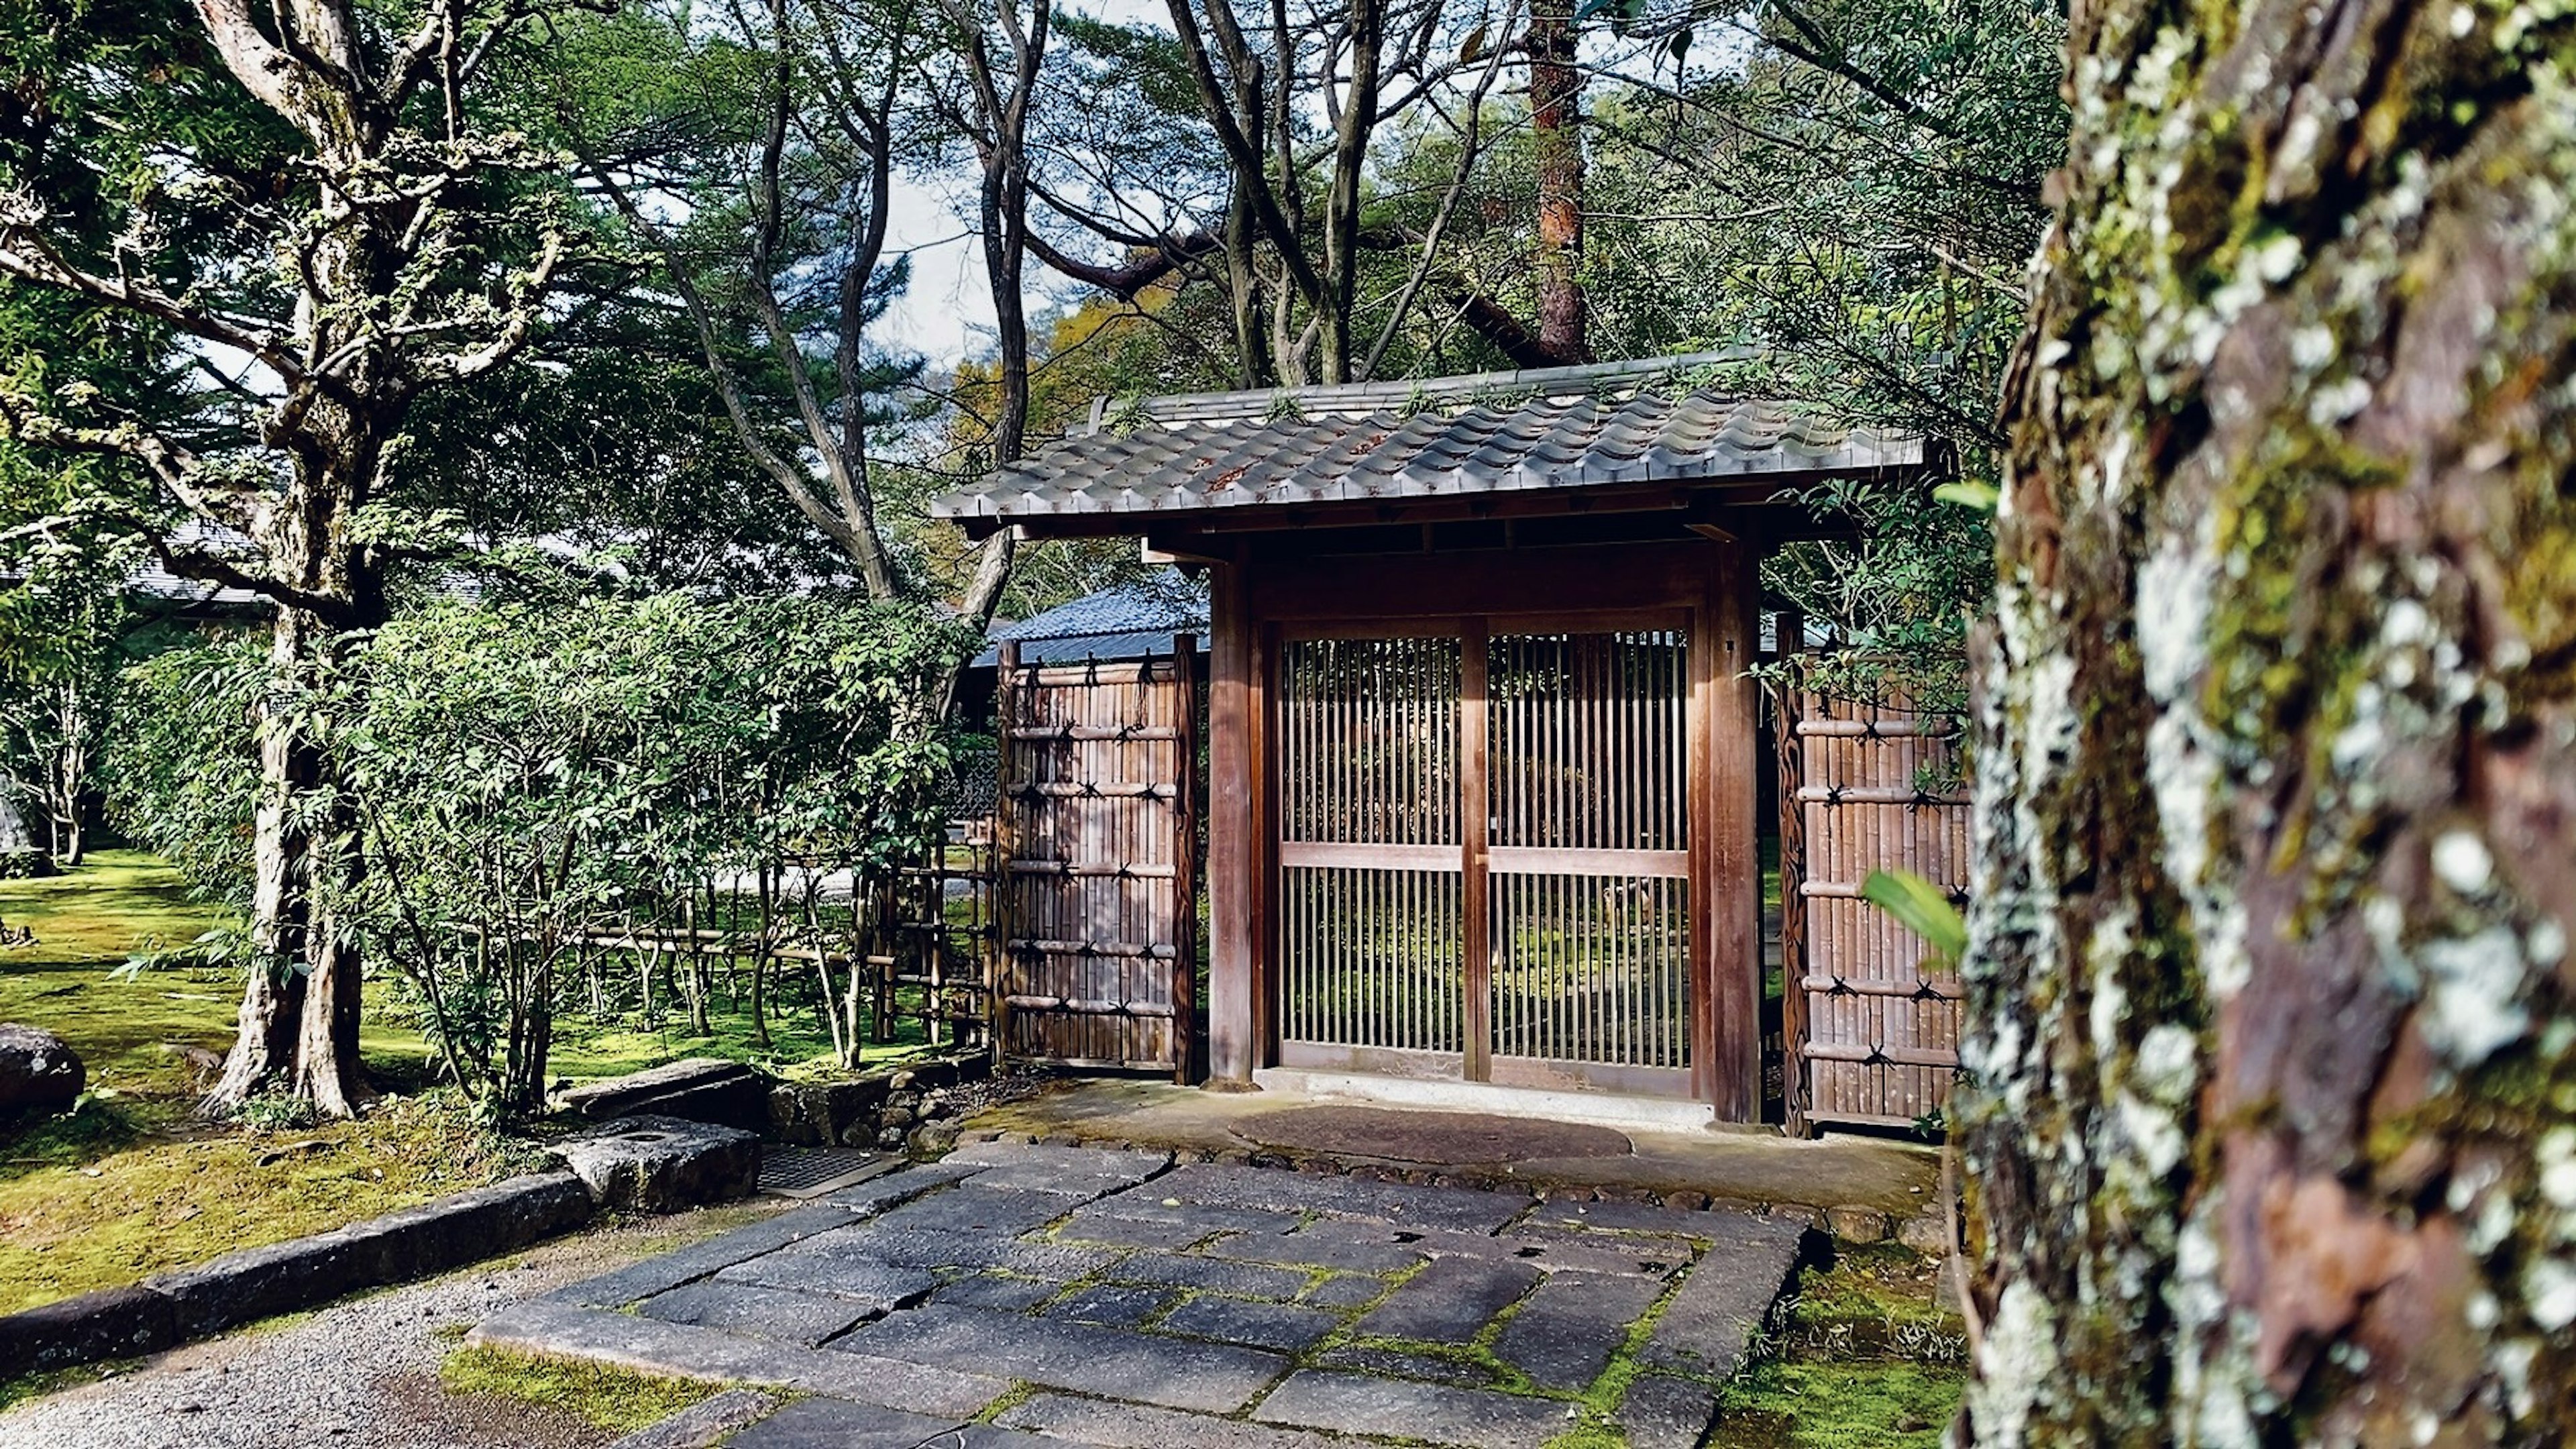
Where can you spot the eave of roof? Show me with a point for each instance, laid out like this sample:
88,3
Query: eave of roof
1232,459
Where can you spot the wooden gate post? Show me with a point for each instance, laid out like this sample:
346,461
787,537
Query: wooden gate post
997,958
1790,757
1185,858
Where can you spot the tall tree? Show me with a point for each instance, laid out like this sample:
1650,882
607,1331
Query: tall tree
1004,88
1556,146
2274,1012
321,199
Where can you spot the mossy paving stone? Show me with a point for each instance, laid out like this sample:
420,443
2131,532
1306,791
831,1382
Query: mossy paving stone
1254,1325
1269,1189
1396,1363
1429,1138
1134,1426
1564,1336
877,1287
1211,1275
1113,1362
1451,1301
1666,1413
1345,1290
805,1319
1358,1404
996,1292
1112,1305
968,1208
833,1424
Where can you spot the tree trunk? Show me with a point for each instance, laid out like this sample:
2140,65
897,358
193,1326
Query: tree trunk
1556,144
2272,1049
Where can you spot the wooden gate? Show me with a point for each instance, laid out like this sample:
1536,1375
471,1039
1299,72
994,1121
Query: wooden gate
1484,855
1870,1036
1096,838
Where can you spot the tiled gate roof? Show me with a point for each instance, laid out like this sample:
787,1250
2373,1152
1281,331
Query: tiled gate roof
1611,424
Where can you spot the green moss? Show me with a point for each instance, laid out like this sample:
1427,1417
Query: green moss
614,1399
1870,1304
1837,1406
36,1386
128,1183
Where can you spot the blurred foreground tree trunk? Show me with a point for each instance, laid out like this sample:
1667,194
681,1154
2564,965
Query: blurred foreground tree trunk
2272,1131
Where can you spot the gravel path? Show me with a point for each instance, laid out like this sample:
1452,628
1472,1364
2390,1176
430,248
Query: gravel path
363,1373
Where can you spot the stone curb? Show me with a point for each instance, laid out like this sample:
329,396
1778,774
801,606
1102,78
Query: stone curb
169,1309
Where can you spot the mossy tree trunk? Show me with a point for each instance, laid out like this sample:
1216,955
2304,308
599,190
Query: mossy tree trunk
2272,1134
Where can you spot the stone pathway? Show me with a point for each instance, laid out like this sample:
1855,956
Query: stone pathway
1037,1296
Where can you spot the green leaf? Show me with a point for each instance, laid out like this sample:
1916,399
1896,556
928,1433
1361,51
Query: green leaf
1970,493
1921,907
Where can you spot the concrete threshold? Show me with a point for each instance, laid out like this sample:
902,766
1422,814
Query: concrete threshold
1653,1114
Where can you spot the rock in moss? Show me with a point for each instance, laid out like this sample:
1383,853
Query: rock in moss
37,1070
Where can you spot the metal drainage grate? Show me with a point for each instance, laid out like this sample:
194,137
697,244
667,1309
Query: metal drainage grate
802,1172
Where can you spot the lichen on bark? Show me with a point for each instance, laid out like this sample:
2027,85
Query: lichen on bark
2269,979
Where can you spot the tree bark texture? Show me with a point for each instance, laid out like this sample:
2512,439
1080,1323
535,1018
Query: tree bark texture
1556,143
2272,1115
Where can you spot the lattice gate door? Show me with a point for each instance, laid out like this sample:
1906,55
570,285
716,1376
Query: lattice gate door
1484,856
1871,1036
1097,838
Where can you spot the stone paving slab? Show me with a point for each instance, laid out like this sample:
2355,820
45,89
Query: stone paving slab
1268,1189
832,1424
1357,1404
1085,1172
1316,1250
971,1207
879,1287
1362,1358
1111,1304
798,1318
879,1193
1174,1373
934,1248
1564,1335
1345,1290
704,1424
1212,1275
1452,1300
1710,1322
700,1260
1666,1413
1274,1326
1134,1426
1150,1221
651,1346
998,1292
1204,1300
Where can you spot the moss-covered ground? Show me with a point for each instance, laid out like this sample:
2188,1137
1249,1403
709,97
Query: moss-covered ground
614,1399
131,1183
1860,1357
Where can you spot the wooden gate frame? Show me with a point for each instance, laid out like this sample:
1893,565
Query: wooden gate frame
1809,797
1180,1005
1251,595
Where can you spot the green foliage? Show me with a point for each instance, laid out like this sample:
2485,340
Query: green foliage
1923,908
517,779
182,767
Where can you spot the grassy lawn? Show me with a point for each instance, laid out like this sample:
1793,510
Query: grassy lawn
130,1183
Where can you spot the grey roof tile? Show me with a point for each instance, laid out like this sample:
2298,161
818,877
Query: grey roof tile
1605,424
